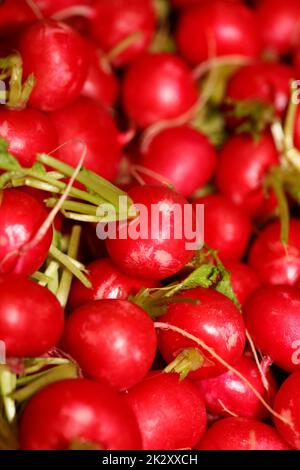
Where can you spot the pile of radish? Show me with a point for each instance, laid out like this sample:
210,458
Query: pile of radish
158,342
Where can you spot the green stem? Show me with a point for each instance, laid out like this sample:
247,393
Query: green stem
68,263
66,371
74,192
8,382
42,278
94,182
8,440
189,360
34,365
289,127
51,277
66,279
28,176
122,46
275,181
17,182
82,217
75,206
18,93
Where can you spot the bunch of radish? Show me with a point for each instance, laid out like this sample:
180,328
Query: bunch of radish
117,341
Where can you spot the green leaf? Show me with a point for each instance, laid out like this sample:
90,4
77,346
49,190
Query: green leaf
7,161
204,276
224,285
39,168
255,115
3,145
225,288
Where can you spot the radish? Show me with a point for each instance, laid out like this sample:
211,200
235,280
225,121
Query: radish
267,82
71,412
227,227
158,87
215,320
183,156
161,252
296,61
187,3
107,283
287,404
90,128
170,413
55,54
50,7
28,132
244,280
114,21
272,316
241,434
21,215
100,84
31,318
41,195
297,128
227,394
274,262
247,161
217,29
14,16
112,340
278,22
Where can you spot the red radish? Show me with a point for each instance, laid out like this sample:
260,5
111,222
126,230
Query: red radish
28,132
228,394
187,3
107,283
287,404
115,21
241,434
170,413
15,15
278,23
274,262
215,320
157,87
94,246
78,411
183,156
247,161
227,227
55,54
21,216
272,316
100,84
296,61
244,280
267,82
112,340
217,29
41,195
31,318
162,251
91,128
49,7
297,128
